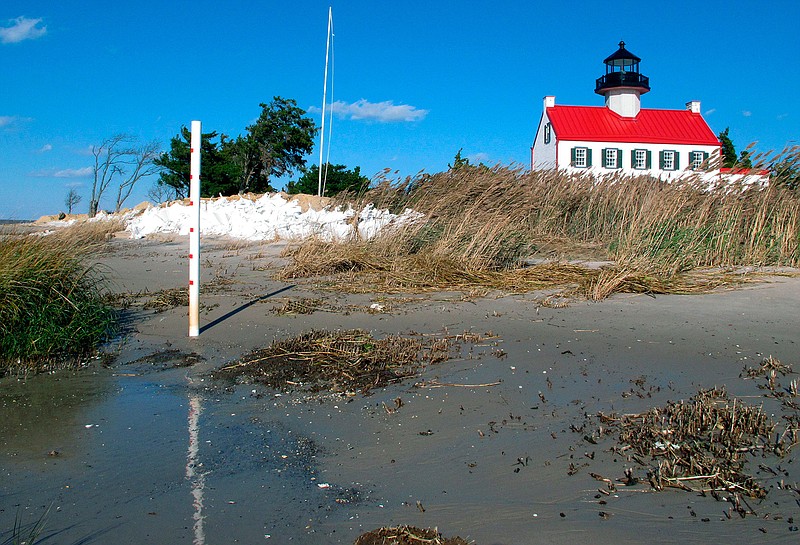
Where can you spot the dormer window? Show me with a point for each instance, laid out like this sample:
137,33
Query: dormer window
547,133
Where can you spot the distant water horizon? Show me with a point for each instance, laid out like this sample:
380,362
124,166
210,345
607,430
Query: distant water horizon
6,222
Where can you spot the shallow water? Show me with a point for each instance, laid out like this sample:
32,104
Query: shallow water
146,460
146,455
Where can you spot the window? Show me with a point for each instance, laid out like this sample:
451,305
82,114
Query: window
612,158
640,159
547,133
669,160
581,157
697,158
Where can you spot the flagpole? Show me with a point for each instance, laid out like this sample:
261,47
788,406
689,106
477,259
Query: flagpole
324,100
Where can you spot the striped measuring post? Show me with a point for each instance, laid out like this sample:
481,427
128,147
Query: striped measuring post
194,231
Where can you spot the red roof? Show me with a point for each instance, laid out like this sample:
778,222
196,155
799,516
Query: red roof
599,124
745,171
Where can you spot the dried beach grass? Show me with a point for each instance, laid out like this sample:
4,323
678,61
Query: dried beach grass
481,225
89,235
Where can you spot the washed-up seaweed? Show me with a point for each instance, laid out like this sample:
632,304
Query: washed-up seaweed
346,360
705,443
407,535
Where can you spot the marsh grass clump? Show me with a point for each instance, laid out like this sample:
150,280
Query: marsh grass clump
52,311
478,224
337,361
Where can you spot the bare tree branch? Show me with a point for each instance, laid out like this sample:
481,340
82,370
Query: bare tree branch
139,163
108,158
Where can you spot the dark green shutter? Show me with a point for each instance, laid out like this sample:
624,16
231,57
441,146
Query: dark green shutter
619,158
649,161
604,160
572,157
633,158
677,163
661,160
588,157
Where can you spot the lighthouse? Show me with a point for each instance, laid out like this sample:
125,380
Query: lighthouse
623,85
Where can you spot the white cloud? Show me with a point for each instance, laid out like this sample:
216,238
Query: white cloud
747,113
479,157
74,172
384,112
711,111
63,173
20,29
9,121
45,148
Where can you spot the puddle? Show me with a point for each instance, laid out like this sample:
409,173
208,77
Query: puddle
149,461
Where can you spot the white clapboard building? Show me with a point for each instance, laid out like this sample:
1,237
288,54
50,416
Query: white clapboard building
622,137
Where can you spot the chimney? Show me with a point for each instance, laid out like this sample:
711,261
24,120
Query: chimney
549,101
693,106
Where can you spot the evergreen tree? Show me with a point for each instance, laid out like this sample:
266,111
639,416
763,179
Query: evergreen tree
459,161
276,144
729,158
215,171
337,179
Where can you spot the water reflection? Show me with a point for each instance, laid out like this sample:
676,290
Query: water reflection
194,470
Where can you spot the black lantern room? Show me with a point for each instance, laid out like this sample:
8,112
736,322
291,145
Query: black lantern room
622,72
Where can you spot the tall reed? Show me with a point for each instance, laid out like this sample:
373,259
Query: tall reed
479,219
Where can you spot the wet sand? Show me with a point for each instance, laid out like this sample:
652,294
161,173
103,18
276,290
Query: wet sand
146,451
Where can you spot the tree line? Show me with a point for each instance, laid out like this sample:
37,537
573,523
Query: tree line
275,145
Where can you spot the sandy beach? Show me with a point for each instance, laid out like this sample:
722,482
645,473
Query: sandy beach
490,445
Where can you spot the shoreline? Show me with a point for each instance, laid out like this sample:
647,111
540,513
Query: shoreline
454,448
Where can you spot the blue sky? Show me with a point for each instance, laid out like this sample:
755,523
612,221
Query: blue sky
415,81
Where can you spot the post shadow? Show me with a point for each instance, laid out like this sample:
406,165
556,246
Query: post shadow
249,304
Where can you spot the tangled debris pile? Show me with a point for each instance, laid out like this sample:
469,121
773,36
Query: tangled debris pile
340,361
703,441
407,535
704,444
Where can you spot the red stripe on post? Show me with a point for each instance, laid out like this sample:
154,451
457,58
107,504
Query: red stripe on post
191,229
191,256
191,282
